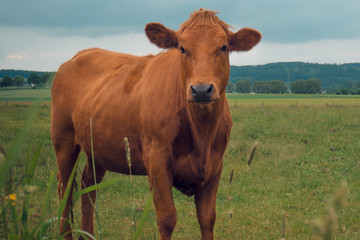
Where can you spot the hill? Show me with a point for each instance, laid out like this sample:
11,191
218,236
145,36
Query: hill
331,75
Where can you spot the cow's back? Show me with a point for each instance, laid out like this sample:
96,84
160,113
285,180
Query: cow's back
85,72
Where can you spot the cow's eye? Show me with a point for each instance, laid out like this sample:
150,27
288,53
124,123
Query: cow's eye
224,48
182,50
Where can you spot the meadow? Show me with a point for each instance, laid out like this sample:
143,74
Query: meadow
25,94
306,147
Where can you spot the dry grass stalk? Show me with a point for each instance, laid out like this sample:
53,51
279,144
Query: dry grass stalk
127,149
128,158
325,229
251,156
231,175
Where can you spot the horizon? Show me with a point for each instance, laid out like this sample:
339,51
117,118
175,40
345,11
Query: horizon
232,65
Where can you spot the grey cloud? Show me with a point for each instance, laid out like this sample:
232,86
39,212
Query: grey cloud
278,20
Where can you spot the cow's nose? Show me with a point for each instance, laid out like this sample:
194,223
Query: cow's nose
202,92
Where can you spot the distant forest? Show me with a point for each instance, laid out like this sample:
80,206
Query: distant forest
331,76
13,73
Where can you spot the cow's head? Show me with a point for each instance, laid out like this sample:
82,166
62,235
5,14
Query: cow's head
204,43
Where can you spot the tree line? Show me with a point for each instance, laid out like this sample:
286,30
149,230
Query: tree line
335,78
309,86
332,76
34,80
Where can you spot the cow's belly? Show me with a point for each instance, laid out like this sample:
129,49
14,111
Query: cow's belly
185,186
109,146
113,157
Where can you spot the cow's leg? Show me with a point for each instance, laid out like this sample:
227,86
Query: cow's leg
161,180
88,199
205,200
66,154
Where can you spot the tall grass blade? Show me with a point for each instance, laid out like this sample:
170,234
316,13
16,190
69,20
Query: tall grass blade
10,160
144,216
95,187
67,191
24,216
96,193
46,203
14,218
84,234
14,150
29,175
31,170
44,226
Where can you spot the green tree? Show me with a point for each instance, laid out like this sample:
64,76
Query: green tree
357,84
349,84
243,86
230,87
298,86
261,87
18,81
6,82
48,78
343,91
313,85
277,86
309,86
34,79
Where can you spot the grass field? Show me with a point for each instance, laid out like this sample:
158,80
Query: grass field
307,145
292,99
44,94
25,94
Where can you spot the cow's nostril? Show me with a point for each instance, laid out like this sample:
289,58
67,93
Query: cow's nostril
210,89
202,92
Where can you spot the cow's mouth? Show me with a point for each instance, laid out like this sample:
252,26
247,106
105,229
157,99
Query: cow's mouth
203,102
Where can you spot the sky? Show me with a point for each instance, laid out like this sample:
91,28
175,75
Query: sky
42,34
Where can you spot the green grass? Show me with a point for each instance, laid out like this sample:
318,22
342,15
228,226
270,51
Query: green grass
304,152
25,94
291,99
44,94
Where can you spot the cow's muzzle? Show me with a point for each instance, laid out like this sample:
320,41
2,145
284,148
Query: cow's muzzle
202,92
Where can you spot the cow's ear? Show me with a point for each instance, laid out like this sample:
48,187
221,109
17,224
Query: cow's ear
161,36
244,39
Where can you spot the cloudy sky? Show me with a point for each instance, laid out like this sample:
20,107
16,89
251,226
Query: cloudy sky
42,34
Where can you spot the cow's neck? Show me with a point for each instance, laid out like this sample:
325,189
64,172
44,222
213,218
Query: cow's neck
204,121
204,124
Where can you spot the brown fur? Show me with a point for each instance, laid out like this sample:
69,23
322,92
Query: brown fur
174,140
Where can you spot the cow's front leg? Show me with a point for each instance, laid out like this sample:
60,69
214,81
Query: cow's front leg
161,179
205,200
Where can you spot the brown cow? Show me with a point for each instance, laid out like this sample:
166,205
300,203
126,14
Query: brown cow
172,107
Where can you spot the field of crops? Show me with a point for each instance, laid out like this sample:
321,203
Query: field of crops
307,146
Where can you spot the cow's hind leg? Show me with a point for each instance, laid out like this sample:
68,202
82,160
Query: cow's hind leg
66,154
88,199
